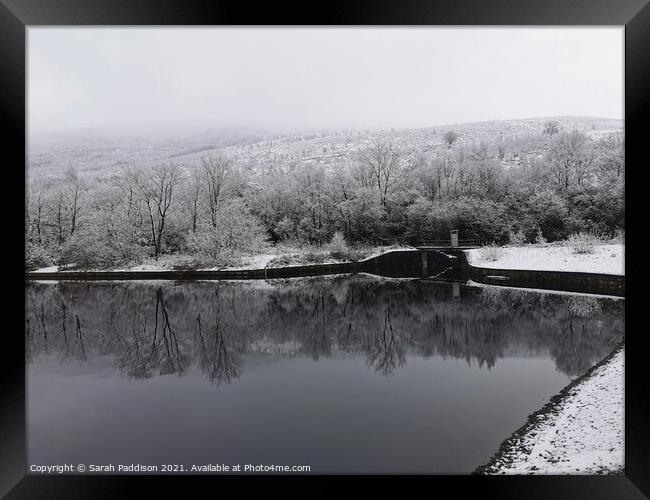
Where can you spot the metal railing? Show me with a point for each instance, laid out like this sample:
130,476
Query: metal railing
466,242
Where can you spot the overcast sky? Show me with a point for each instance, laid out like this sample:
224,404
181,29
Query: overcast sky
318,77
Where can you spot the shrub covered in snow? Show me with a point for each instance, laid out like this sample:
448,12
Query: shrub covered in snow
516,239
540,240
490,253
583,242
338,247
36,256
98,246
619,237
236,232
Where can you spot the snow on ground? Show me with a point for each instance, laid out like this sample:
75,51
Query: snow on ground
606,259
580,434
145,266
256,262
260,261
51,269
300,256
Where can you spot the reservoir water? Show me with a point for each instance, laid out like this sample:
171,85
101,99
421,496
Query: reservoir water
348,374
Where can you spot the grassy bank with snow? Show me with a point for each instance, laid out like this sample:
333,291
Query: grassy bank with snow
580,431
276,256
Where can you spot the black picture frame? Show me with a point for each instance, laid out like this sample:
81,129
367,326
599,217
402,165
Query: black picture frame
17,15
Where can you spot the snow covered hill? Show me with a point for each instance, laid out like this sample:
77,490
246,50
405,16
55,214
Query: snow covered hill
98,153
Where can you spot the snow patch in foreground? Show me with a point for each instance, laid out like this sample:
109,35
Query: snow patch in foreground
605,259
582,434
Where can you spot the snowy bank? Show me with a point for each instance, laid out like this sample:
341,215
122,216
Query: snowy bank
51,269
580,431
605,259
256,262
296,258
282,258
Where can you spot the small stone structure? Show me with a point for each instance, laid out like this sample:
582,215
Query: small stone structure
454,238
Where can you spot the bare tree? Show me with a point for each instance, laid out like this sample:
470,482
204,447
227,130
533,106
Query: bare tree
571,159
59,208
36,204
449,168
383,162
216,170
194,194
427,178
55,210
438,164
156,189
74,194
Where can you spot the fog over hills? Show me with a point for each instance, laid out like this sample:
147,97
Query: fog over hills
97,152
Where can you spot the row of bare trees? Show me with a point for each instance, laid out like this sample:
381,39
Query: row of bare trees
218,208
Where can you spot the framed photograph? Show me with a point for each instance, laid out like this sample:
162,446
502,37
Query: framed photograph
264,244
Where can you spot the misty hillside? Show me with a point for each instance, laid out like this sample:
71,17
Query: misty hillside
94,154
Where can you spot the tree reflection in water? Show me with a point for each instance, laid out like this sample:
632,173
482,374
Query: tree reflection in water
384,348
157,329
216,356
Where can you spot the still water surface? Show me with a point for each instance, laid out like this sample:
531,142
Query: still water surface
344,374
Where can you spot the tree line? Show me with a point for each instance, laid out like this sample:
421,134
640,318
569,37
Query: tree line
545,186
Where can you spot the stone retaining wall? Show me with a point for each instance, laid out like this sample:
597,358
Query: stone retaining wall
398,263
607,284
